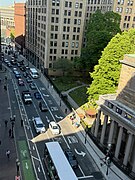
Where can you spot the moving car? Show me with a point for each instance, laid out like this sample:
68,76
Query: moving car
37,95
42,106
26,96
38,124
54,128
17,74
33,86
71,158
20,82
29,80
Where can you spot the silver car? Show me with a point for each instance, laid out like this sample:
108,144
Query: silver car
38,124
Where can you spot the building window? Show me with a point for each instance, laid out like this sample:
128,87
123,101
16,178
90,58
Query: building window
119,111
70,4
53,11
66,3
52,19
128,116
80,14
76,52
57,20
81,5
57,11
76,5
77,44
55,51
56,28
66,44
76,13
73,44
73,38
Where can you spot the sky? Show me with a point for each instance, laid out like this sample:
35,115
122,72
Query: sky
9,2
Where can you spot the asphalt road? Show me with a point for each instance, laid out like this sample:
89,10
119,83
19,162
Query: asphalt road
30,145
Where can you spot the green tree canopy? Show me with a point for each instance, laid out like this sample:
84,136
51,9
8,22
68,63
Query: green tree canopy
100,30
106,73
63,64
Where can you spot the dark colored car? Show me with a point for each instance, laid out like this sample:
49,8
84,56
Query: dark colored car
71,158
42,106
29,80
22,68
37,95
33,86
20,82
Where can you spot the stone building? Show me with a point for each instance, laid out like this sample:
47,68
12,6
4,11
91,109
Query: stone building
117,131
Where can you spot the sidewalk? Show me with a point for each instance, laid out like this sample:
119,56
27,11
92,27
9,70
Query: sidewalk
7,167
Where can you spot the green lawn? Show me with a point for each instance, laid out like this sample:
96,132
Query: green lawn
65,83
79,95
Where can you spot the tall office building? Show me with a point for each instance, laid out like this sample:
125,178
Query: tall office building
126,8
54,29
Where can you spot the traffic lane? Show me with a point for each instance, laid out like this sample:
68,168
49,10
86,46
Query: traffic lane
37,164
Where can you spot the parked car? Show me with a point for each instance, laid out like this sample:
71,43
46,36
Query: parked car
54,128
42,106
38,124
33,86
37,95
71,158
20,82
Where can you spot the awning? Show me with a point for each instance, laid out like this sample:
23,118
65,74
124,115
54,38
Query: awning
91,112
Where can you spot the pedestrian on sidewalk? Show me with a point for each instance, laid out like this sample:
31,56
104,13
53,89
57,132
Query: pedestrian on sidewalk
6,122
8,153
9,132
66,110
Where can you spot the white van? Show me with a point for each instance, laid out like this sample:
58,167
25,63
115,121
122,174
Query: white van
34,73
38,124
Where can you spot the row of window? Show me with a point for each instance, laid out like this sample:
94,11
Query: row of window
127,10
66,20
66,29
100,1
129,3
65,37
68,13
94,8
63,51
119,111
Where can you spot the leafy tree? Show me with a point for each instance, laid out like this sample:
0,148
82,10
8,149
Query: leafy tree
106,73
63,64
100,30
12,34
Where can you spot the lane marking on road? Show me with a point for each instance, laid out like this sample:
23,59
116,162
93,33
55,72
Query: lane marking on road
72,139
80,153
85,177
26,165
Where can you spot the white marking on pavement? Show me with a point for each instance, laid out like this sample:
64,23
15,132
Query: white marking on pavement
58,117
26,165
80,153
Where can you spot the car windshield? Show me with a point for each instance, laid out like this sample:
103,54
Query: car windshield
39,125
55,127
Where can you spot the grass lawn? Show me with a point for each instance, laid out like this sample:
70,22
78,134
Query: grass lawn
79,95
65,83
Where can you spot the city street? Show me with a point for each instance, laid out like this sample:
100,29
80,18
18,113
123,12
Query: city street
30,146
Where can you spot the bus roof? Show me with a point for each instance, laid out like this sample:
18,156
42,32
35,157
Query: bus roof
60,161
